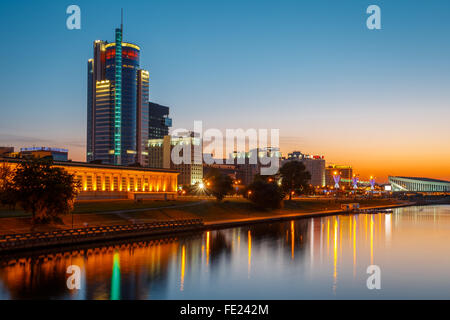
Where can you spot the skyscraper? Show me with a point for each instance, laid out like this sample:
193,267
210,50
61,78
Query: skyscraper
159,121
117,106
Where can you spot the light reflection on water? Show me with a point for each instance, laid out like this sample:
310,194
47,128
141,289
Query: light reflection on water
323,258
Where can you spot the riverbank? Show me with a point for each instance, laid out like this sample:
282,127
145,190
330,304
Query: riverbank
85,235
99,214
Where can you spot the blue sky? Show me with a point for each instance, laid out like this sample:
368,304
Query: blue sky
310,68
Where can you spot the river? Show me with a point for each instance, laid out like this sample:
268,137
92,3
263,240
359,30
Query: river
314,258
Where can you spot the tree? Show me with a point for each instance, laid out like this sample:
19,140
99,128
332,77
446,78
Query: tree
6,190
218,184
44,190
294,177
264,178
265,194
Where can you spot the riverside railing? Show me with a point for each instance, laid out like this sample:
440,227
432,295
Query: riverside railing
79,235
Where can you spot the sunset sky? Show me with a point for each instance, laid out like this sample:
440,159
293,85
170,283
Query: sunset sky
378,100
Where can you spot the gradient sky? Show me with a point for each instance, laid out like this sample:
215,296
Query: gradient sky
377,100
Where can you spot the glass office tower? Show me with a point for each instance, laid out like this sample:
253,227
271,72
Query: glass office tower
159,121
117,88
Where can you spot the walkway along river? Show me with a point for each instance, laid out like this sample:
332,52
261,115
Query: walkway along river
62,237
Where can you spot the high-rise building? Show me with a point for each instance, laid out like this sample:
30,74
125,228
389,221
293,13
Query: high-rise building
159,121
117,105
314,164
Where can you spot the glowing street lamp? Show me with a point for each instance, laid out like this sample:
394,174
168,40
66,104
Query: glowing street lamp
201,185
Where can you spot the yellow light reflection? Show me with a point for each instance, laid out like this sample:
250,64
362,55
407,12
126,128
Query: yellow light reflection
354,247
328,236
183,266
335,255
371,239
249,252
207,247
292,239
387,227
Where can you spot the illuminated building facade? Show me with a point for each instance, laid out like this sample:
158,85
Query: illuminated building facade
345,173
118,182
160,151
419,184
117,105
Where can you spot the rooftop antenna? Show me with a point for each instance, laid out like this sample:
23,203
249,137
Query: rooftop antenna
121,19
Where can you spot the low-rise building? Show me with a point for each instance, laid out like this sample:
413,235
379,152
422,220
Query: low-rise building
414,184
117,182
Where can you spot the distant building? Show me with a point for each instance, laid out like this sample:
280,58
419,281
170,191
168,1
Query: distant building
230,170
159,121
160,151
249,163
57,154
419,184
345,172
6,151
117,182
314,164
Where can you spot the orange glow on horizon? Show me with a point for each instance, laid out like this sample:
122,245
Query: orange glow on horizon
387,154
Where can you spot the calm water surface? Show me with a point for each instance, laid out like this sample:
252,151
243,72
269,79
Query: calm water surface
320,258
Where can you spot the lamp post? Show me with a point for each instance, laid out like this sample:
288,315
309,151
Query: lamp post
355,181
372,182
336,178
372,185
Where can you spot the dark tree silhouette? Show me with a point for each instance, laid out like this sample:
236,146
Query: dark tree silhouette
6,191
265,194
294,177
44,190
218,184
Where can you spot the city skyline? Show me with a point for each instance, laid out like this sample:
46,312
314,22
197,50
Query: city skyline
378,102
